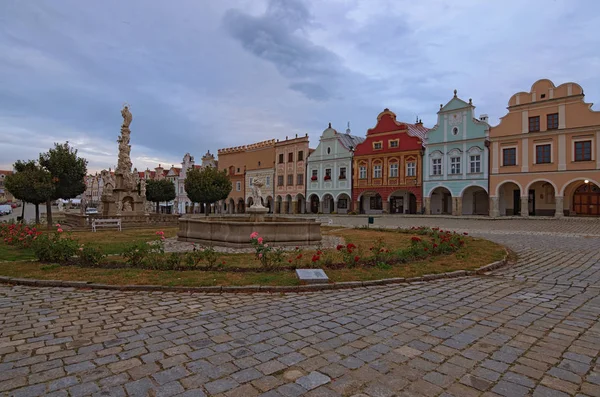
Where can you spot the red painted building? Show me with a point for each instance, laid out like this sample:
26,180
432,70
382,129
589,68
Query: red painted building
387,167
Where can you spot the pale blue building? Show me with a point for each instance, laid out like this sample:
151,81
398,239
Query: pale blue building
329,172
455,165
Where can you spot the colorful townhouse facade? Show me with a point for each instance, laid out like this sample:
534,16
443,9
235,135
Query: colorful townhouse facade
545,154
329,172
243,163
290,174
455,165
387,167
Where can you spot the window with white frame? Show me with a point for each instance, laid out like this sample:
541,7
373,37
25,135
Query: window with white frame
455,165
475,163
238,186
268,181
394,170
436,166
362,172
411,168
377,171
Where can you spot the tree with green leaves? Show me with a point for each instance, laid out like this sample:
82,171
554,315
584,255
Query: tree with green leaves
30,184
160,190
207,185
67,171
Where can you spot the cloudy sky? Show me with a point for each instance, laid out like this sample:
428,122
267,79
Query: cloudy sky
200,75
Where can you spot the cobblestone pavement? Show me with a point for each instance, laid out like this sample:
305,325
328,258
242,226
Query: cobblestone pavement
531,329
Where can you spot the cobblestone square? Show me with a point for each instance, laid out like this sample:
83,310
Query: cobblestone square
528,329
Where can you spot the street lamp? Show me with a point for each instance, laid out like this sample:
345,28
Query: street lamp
586,181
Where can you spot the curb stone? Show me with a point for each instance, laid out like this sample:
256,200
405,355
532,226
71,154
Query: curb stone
249,289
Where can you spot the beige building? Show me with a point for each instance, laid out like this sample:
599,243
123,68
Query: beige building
5,194
545,154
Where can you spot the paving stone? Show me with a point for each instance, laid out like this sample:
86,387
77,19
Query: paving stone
139,387
170,375
84,389
509,389
220,385
291,390
313,380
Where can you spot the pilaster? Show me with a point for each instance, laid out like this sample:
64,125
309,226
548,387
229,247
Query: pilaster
494,207
559,207
525,206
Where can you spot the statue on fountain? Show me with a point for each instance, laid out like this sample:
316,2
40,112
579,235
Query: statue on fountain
257,184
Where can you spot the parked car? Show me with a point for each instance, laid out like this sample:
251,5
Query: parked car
91,211
5,209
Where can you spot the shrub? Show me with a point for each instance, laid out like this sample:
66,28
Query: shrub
90,256
52,248
18,234
267,255
135,254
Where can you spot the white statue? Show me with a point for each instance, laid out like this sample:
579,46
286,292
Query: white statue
257,184
60,205
119,207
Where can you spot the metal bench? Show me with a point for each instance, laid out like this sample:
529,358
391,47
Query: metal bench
96,223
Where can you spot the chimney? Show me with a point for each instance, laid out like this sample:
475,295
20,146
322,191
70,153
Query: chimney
484,118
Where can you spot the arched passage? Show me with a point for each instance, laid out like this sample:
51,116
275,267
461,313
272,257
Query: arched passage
403,202
509,199
278,205
301,203
288,204
475,201
241,207
582,198
314,203
343,203
441,201
371,203
231,206
541,198
270,204
250,202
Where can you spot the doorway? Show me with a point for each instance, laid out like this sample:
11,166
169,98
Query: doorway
517,202
531,201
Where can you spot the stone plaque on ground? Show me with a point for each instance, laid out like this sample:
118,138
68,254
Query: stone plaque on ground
312,276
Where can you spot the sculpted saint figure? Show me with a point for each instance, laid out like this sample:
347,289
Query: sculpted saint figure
127,117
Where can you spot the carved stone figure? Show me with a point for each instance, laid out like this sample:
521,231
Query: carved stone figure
257,184
127,206
127,116
143,188
119,207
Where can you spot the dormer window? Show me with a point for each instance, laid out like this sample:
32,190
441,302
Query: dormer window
377,145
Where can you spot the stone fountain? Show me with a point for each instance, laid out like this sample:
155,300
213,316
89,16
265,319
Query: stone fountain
235,231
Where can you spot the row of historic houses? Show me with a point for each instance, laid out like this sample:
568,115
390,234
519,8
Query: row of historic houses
543,159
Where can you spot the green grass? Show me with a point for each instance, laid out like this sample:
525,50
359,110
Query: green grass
477,252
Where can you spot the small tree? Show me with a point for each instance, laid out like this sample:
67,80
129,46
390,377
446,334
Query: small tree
207,186
30,184
67,171
160,190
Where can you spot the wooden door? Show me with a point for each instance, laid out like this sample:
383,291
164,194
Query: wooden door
586,200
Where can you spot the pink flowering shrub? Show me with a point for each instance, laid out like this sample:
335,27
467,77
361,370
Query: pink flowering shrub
267,255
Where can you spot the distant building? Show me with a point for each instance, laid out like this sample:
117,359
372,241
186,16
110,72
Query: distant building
387,167
329,172
290,169
245,162
455,175
5,195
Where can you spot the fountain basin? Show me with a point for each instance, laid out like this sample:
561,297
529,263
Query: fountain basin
235,231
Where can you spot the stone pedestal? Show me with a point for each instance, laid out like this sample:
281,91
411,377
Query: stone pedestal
257,214
524,206
494,207
560,202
